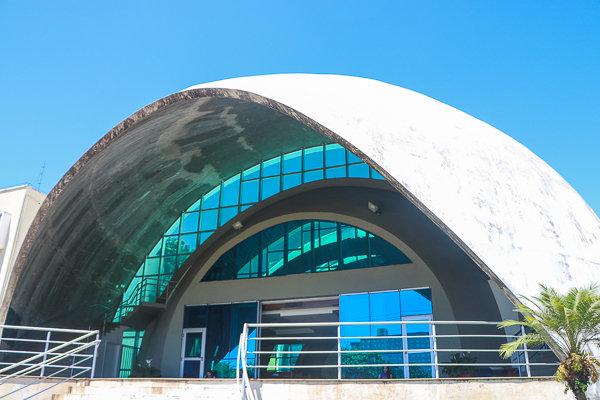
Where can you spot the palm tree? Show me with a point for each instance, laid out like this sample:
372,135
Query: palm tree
566,323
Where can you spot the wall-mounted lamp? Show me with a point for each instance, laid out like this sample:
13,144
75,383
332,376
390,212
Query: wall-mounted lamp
237,225
373,208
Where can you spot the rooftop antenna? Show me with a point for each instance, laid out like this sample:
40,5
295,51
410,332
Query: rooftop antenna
41,175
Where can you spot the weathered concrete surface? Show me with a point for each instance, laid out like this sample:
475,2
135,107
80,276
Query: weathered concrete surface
25,392
434,389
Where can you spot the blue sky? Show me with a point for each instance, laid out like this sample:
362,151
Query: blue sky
72,70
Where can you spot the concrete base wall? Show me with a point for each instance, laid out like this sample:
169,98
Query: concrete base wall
434,389
25,392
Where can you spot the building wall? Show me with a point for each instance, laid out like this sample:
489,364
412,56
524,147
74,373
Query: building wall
21,203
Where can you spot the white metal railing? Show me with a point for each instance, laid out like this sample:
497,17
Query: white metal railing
22,355
521,362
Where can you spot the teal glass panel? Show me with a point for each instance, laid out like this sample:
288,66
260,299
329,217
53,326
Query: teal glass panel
358,171
167,265
292,180
230,195
271,167
156,251
416,302
208,220
292,162
174,229
203,236
189,222
211,199
335,155
250,192
195,316
195,206
383,253
313,158
313,175
337,172
226,214
376,175
251,173
187,243
242,208
270,186
352,159
171,244
181,259
152,266
353,247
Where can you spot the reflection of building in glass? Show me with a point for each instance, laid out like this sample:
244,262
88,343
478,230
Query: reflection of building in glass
295,189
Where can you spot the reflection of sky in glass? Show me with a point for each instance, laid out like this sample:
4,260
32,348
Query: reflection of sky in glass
416,302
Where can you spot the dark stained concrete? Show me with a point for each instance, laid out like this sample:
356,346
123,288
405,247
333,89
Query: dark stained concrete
91,239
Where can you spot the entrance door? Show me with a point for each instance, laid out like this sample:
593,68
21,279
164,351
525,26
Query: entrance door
192,353
418,342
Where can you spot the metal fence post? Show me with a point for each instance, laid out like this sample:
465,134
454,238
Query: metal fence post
95,355
45,350
526,354
435,352
339,355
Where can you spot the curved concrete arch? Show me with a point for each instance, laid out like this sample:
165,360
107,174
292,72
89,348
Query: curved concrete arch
514,215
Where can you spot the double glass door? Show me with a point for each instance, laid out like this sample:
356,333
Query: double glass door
192,353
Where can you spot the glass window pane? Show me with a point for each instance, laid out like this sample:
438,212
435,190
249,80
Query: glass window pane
352,159
208,220
290,181
227,214
354,247
251,173
354,308
190,223
203,236
271,167
250,192
167,265
181,259
174,229
195,317
193,344
376,175
313,158
292,162
152,265
171,244
211,199
385,307
242,208
270,186
334,155
383,253
358,171
191,369
337,172
416,302
194,207
156,250
231,192
187,243
313,175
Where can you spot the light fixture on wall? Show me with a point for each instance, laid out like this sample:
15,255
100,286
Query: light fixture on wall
373,208
237,225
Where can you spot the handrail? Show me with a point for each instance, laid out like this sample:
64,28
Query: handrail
436,340
51,356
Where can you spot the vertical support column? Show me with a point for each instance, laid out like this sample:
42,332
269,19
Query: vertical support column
526,353
45,351
435,352
339,347
95,355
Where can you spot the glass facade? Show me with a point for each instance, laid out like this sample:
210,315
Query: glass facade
234,195
224,324
403,305
305,246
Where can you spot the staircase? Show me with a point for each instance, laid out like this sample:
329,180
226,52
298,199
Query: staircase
151,389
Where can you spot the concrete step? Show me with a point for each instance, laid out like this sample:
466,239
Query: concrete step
159,389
